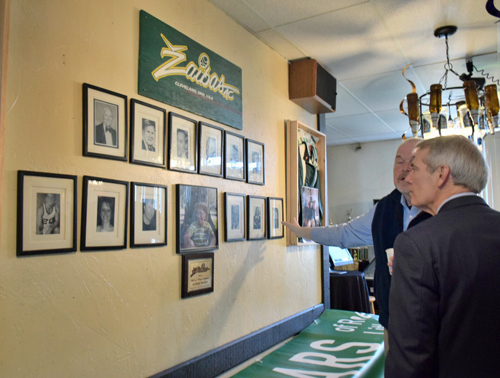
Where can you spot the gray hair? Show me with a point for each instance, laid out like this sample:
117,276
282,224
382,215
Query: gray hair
467,165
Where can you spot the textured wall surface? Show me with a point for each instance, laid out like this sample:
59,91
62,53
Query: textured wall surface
119,313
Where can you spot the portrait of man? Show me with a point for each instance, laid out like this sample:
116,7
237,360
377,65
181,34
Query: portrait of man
105,132
148,135
47,215
235,217
255,162
148,215
257,219
182,144
105,214
276,217
211,148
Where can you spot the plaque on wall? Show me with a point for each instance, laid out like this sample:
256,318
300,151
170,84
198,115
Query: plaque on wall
178,71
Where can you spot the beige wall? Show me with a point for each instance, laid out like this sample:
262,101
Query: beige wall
119,313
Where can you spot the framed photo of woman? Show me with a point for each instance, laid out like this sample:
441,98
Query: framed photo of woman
257,217
183,143
211,150
197,218
148,215
255,162
104,214
148,125
46,213
235,217
234,157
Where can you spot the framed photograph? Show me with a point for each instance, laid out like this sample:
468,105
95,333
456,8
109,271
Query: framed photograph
197,274
257,216
148,126
275,229
197,218
235,217
46,213
255,162
104,123
211,150
234,158
183,143
104,214
310,207
148,215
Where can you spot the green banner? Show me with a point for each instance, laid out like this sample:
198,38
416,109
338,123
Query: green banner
180,72
338,344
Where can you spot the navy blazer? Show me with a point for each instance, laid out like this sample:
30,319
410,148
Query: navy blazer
445,294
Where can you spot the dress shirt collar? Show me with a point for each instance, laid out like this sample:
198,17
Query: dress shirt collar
463,194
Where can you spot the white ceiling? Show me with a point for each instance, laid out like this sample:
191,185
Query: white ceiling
366,44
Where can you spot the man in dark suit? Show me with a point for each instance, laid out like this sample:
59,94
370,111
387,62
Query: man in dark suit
445,291
104,132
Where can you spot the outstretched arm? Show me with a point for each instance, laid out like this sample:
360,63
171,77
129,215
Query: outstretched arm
301,232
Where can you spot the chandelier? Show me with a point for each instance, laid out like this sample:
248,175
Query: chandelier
476,106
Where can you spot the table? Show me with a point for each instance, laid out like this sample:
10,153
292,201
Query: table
349,291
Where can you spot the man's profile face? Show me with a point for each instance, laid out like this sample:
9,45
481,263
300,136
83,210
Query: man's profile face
402,166
423,185
108,117
148,134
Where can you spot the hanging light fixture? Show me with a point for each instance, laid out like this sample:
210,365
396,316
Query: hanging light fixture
470,110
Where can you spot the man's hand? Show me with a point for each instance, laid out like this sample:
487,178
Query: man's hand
301,232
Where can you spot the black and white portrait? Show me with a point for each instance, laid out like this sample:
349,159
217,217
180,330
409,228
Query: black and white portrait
182,144
105,124
257,219
276,217
105,214
148,215
148,135
47,214
235,217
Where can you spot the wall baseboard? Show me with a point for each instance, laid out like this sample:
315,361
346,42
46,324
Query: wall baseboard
224,358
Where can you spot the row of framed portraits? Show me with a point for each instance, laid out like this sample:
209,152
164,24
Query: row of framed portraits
193,147
47,215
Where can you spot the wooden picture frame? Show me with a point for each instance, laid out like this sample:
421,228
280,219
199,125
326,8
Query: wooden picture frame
197,274
197,218
46,213
255,166
256,217
235,217
234,157
148,215
148,126
104,214
296,132
275,229
183,143
104,123
210,150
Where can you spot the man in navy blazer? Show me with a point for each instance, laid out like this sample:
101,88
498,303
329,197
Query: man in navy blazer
445,290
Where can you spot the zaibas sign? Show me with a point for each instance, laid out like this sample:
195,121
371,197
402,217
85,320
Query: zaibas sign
180,72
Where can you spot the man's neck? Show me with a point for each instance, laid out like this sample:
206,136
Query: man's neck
444,195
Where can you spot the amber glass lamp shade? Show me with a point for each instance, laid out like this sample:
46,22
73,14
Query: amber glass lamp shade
472,100
435,103
492,106
413,112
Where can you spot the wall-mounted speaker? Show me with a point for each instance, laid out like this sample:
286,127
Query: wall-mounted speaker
311,86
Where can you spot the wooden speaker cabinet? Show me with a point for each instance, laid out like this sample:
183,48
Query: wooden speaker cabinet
311,86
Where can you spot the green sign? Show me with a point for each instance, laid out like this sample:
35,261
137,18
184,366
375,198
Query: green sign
180,72
338,344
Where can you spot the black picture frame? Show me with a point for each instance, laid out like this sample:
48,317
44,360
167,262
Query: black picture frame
210,150
197,274
256,218
46,213
148,143
104,214
180,128
234,157
195,234
255,165
235,217
275,229
101,107
148,215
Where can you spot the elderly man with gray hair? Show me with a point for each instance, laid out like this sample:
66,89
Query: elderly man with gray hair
445,290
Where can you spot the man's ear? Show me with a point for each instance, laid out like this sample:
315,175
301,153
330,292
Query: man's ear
444,175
